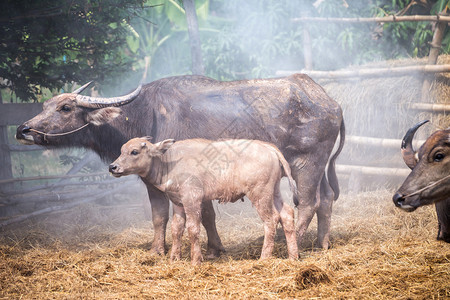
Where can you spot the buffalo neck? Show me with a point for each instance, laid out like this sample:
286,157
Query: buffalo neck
107,139
157,174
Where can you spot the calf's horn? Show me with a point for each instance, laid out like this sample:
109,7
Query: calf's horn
97,102
408,152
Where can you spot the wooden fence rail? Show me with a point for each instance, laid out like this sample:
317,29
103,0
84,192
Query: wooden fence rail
86,198
387,19
370,72
394,172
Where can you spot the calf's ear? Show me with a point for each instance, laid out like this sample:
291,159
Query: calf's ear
101,116
162,147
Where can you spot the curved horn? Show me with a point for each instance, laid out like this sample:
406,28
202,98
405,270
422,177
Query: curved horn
408,153
82,88
97,102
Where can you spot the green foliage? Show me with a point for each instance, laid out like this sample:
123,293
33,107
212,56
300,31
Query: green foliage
50,44
47,43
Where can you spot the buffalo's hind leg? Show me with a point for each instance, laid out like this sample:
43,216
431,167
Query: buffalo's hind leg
324,214
309,201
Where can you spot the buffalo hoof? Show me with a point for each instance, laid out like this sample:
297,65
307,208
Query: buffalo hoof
213,253
157,251
444,237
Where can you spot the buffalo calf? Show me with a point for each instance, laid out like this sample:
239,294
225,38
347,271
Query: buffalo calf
195,171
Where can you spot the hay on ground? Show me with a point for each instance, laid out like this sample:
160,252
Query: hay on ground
97,252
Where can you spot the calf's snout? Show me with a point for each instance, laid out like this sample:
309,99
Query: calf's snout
113,168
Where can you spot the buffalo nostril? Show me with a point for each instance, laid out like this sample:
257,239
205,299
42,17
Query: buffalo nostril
26,129
112,168
398,199
21,131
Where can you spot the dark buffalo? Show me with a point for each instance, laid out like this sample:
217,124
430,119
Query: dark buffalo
294,113
429,181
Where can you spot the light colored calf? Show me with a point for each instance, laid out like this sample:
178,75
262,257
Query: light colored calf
191,172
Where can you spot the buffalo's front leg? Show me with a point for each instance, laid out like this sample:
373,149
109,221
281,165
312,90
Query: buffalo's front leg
160,217
215,247
443,215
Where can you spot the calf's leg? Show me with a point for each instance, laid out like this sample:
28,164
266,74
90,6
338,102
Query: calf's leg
178,224
192,208
160,217
287,221
263,203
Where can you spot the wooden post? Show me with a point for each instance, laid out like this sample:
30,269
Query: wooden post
194,37
307,48
435,45
5,157
12,114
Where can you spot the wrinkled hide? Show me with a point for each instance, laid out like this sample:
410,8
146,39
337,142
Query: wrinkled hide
429,180
293,113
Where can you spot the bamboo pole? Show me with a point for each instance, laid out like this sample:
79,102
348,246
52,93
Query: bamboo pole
388,19
371,72
43,193
379,142
435,45
378,171
59,207
52,177
433,107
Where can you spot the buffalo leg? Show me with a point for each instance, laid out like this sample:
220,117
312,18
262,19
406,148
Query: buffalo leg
287,221
443,215
160,217
309,200
193,220
324,214
215,247
178,223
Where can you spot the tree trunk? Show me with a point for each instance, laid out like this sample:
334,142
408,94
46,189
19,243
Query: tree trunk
436,44
194,37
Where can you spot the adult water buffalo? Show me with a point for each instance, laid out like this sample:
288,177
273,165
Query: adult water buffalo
294,113
429,181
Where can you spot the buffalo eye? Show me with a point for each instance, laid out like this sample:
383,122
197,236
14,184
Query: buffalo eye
134,152
66,108
438,157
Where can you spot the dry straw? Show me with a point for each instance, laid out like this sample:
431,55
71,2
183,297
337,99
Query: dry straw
98,252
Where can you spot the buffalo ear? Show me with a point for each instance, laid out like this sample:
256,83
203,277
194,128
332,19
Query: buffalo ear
103,115
163,146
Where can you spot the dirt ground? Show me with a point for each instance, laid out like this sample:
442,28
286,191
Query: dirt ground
101,252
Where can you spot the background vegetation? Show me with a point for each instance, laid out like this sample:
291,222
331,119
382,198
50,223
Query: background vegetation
50,44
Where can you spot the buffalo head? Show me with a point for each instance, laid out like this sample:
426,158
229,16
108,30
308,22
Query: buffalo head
68,113
137,155
429,181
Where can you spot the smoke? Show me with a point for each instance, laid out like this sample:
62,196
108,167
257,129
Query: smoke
251,39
